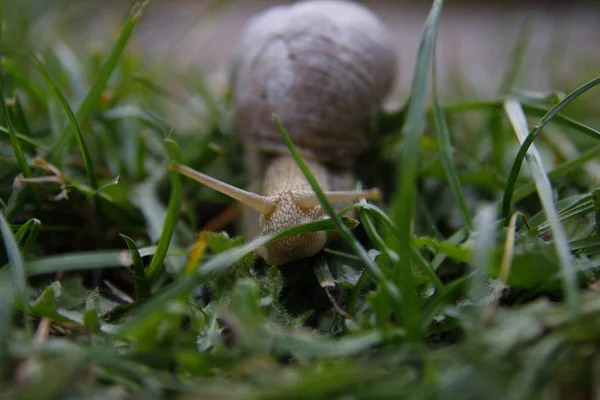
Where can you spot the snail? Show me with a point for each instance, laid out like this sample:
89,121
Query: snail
322,67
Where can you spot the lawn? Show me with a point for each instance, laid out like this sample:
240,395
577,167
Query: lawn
475,277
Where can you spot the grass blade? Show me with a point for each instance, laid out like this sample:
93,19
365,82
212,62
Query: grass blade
530,109
515,62
404,199
18,115
171,218
559,172
24,139
30,228
89,103
518,120
563,120
443,134
142,286
345,231
516,167
85,154
80,261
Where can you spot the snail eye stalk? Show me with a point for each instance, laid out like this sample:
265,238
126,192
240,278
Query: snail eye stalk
252,200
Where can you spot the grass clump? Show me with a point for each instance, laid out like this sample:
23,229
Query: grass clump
477,277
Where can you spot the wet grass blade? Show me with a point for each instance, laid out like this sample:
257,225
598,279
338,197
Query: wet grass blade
516,167
85,154
403,203
89,103
519,121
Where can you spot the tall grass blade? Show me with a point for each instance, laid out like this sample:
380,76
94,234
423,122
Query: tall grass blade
515,62
516,58
519,121
445,150
171,218
90,101
403,203
85,154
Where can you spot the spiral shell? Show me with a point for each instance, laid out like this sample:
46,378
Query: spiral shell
322,67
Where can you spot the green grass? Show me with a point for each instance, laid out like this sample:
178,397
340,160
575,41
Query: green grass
476,277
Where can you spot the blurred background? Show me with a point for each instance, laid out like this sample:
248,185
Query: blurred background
475,41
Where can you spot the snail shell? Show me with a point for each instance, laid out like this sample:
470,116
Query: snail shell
322,67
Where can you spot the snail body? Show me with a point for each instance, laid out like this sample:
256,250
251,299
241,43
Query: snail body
322,67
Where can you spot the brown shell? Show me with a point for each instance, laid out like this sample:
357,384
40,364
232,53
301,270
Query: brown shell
322,67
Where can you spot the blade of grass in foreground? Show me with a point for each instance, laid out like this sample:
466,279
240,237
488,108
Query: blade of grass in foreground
80,261
544,188
85,154
403,202
89,103
516,167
